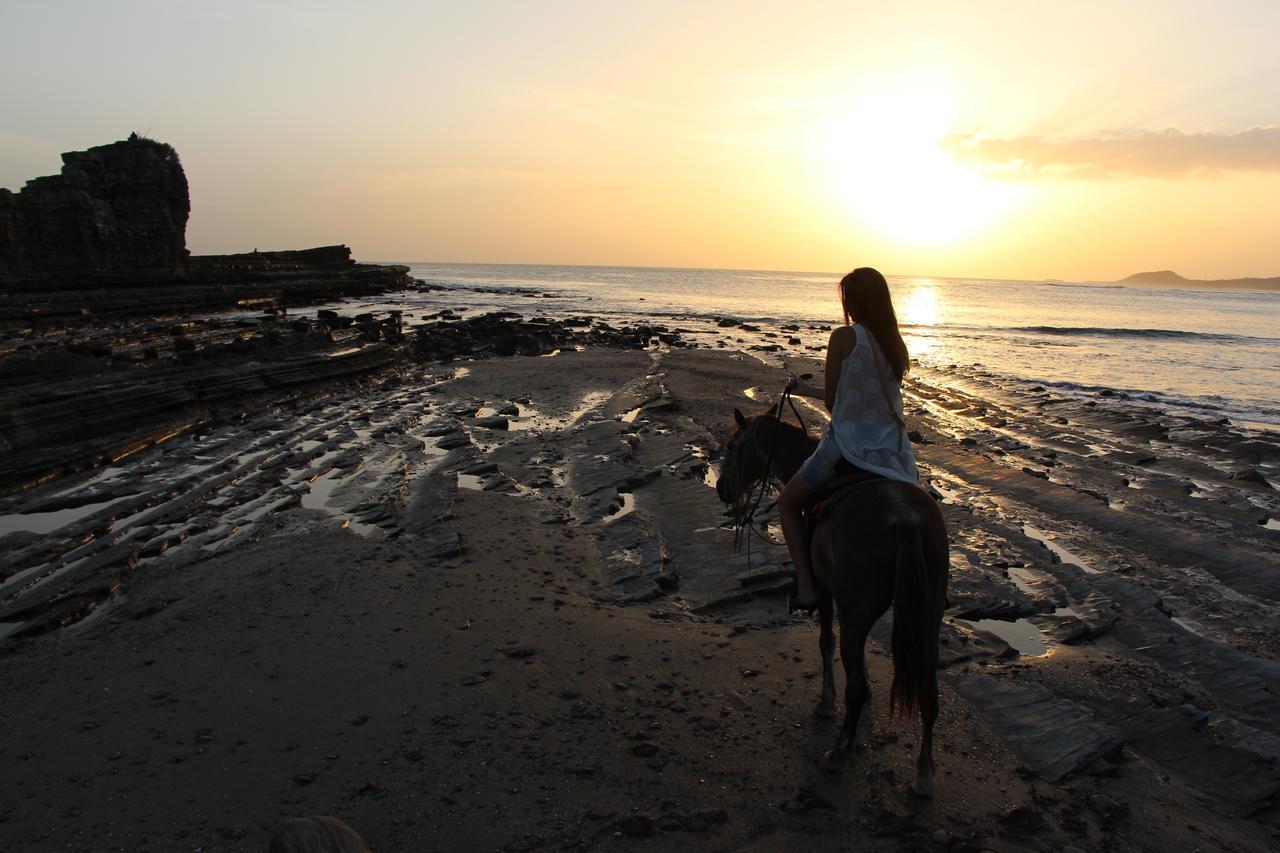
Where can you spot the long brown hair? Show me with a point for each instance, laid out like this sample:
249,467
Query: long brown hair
864,294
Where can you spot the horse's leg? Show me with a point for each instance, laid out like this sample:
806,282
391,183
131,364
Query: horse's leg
827,643
853,639
923,786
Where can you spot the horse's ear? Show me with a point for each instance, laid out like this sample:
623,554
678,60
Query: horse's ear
739,419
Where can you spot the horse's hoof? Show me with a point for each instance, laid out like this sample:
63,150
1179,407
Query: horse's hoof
923,788
834,761
825,711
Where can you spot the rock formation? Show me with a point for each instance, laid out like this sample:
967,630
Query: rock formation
116,213
108,236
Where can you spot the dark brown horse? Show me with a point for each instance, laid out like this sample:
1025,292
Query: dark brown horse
877,542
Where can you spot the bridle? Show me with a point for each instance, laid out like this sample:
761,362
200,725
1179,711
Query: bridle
745,511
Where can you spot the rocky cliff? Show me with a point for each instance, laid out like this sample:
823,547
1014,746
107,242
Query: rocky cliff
116,213
107,236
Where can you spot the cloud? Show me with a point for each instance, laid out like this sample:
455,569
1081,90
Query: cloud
1168,154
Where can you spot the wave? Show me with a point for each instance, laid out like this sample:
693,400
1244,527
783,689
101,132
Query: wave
1108,332
1088,332
1070,284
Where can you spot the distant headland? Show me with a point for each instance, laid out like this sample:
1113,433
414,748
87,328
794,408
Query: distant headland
1169,278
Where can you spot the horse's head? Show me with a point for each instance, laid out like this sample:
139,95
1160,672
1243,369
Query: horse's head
744,465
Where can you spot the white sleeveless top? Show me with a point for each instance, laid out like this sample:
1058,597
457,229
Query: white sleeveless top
862,422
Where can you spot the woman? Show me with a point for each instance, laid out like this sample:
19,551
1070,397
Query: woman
866,360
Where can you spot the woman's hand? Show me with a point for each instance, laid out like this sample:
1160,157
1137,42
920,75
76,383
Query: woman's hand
798,385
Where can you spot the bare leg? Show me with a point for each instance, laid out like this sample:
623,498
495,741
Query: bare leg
795,495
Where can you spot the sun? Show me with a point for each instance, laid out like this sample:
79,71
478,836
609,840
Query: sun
878,158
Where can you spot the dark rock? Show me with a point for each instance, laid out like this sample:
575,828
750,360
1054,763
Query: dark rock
1251,475
453,440
671,823
1111,811
1023,821
443,548
1056,737
637,826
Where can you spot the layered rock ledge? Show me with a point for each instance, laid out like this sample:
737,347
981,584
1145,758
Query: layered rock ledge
100,391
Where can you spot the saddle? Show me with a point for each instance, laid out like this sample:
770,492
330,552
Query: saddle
847,477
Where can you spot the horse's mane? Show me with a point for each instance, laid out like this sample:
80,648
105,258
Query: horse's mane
772,414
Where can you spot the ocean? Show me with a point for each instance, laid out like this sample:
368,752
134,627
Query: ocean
1205,353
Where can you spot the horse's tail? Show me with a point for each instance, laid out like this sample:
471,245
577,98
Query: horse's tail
915,652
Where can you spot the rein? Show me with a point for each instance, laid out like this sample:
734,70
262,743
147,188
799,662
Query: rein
745,520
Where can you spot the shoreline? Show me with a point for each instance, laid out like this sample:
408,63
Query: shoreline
533,632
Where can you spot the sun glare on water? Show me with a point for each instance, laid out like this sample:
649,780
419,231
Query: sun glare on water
879,158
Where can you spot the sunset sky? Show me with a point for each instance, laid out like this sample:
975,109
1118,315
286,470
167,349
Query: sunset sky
1005,139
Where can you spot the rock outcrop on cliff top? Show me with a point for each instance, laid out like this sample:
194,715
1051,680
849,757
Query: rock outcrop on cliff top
108,236
117,212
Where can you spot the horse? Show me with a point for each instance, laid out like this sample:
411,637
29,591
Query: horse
876,542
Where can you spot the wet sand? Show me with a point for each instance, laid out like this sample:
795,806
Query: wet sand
494,605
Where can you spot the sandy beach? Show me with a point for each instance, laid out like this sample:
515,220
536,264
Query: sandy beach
370,377
493,603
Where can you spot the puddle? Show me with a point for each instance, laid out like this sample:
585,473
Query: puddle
1021,634
47,522
1189,626
1063,554
1201,489
1025,579
628,506
474,482
18,579
589,402
268,504
321,490
711,474
949,495
526,418
106,475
